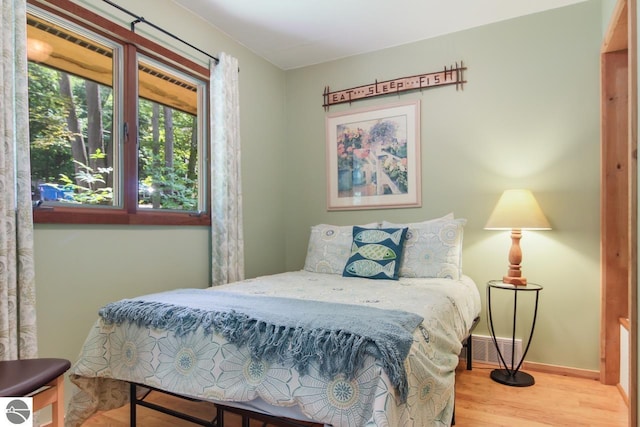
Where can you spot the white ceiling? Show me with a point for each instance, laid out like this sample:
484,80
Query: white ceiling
295,33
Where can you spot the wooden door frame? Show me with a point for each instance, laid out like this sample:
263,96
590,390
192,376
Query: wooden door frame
619,201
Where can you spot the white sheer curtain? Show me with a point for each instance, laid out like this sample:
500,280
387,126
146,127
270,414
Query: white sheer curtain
17,282
227,239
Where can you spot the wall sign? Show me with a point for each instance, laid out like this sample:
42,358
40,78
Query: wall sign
449,76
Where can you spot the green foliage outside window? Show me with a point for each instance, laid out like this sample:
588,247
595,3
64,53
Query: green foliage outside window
168,173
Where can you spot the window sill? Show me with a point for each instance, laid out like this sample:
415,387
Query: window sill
97,216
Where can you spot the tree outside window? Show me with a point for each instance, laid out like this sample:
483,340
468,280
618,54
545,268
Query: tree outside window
84,133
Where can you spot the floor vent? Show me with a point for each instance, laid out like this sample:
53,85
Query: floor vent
484,350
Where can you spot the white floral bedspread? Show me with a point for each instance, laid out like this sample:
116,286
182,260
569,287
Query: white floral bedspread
209,368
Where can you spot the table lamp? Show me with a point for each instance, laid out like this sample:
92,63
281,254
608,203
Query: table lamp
517,210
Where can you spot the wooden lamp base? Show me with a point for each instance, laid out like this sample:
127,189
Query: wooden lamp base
516,281
514,276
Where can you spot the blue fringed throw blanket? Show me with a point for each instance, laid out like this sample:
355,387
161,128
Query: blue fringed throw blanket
336,336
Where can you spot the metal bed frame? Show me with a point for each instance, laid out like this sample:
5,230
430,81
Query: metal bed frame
218,418
467,343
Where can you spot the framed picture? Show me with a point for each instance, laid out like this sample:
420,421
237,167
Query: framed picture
373,157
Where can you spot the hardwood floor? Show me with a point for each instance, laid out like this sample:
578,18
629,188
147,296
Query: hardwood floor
554,400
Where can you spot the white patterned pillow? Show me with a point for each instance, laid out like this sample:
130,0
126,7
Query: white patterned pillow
447,216
432,248
330,247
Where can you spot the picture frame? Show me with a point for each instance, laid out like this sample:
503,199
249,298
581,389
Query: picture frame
373,157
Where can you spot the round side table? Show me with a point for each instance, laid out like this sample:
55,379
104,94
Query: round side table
511,375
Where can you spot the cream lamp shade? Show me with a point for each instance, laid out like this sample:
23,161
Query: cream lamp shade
517,210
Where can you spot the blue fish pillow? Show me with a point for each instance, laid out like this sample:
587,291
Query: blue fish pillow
375,253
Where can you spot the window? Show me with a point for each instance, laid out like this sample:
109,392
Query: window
117,124
168,138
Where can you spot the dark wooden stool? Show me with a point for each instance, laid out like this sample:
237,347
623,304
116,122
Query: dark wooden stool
41,379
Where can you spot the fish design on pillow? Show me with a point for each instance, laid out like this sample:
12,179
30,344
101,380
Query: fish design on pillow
377,236
368,268
374,251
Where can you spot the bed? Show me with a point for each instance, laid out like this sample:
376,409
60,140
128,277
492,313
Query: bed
378,382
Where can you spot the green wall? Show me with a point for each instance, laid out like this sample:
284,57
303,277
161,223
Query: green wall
528,117
608,7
